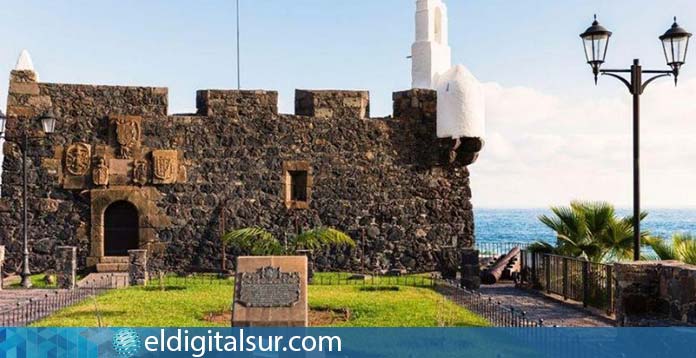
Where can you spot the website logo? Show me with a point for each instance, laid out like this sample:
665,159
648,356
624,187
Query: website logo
126,342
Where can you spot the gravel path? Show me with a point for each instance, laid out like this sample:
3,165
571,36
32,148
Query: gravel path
538,306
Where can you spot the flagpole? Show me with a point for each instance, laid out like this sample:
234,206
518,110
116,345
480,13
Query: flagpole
239,81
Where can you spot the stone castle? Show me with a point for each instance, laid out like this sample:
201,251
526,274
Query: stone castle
121,173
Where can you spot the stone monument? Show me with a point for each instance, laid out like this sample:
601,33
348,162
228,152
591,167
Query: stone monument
66,266
270,291
137,268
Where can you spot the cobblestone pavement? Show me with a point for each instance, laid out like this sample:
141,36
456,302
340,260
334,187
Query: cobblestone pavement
538,306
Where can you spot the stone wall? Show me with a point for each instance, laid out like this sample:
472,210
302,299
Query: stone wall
655,293
354,104
387,181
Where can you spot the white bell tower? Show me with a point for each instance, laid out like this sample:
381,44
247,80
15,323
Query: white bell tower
430,54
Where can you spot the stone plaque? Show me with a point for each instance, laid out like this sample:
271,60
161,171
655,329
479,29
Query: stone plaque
268,287
270,291
119,166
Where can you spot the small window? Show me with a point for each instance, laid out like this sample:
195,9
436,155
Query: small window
297,182
298,185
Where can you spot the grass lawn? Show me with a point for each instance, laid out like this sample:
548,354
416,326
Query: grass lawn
187,304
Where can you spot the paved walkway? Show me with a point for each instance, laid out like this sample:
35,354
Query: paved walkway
538,306
17,310
10,297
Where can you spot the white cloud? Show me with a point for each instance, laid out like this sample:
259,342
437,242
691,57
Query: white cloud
543,149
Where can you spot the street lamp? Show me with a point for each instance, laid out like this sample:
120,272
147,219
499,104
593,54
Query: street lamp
675,43
595,41
48,123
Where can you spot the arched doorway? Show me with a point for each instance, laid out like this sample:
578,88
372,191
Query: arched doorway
121,229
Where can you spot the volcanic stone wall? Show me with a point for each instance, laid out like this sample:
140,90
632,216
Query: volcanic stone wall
400,192
655,293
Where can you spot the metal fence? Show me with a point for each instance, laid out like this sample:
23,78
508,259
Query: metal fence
488,249
495,312
174,279
580,280
414,280
33,309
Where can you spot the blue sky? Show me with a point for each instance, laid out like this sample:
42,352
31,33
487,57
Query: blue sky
362,44
525,51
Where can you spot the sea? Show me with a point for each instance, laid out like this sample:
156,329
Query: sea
523,225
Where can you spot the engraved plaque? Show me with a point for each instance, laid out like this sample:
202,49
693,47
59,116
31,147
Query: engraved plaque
268,287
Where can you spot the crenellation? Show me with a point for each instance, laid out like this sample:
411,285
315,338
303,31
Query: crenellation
221,103
332,103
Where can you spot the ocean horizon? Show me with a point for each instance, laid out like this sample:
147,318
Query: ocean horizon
523,225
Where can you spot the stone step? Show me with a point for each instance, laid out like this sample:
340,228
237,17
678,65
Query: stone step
115,279
114,260
112,267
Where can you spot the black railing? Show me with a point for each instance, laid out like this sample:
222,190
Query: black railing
414,280
494,311
173,279
33,309
574,279
489,249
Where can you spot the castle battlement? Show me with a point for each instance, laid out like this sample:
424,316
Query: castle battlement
26,94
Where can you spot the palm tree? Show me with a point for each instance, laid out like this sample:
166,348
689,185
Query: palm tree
591,230
682,247
258,242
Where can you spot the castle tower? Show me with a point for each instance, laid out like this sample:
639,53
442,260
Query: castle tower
431,54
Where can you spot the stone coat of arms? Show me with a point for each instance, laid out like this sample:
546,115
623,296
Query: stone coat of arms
77,159
140,172
128,131
164,166
100,174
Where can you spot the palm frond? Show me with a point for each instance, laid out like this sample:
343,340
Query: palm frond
321,238
540,246
663,249
684,246
253,241
617,241
597,215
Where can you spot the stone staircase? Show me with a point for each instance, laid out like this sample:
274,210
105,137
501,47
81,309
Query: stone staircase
113,264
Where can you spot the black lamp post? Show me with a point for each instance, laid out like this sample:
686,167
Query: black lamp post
675,43
48,122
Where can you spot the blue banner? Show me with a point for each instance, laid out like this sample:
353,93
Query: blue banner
347,342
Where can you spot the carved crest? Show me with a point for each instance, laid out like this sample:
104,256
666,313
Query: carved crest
140,172
77,157
100,174
128,131
165,166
